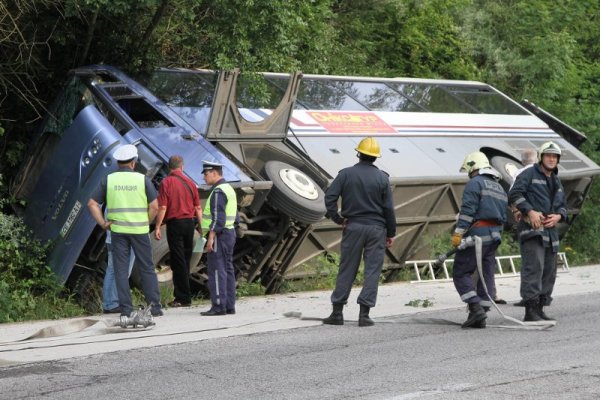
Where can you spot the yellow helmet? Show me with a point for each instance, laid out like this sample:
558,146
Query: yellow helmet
474,161
549,148
369,147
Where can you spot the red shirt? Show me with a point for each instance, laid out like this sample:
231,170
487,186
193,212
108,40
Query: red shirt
173,194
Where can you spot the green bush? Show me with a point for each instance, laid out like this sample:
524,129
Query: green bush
28,288
321,275
245,289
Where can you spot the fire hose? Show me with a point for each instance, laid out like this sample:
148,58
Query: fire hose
141,318
476,241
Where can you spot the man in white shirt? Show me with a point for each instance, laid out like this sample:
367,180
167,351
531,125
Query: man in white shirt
528,158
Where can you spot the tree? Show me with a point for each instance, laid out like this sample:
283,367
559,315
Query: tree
417,38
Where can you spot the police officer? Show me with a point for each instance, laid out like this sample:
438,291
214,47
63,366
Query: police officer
218,222
369,225
539,196
483,214
131,204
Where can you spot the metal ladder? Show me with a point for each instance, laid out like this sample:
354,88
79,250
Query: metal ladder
424,269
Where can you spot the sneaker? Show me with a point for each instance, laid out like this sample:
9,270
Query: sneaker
116,310
230,311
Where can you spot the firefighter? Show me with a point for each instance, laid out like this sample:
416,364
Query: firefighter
539,196
483,214
369,225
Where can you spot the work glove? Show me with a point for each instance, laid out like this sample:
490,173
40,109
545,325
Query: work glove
456,238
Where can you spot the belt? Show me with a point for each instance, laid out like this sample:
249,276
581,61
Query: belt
178,219
485,223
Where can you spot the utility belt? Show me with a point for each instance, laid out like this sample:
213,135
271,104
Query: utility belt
483,223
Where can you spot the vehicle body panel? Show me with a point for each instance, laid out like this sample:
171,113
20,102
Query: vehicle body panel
57,208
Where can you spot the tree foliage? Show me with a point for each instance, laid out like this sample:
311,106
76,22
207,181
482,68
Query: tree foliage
400,38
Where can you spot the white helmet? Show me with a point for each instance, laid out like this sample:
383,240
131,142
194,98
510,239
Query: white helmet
549,148
474,161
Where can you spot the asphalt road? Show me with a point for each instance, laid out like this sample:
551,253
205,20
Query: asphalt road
401,357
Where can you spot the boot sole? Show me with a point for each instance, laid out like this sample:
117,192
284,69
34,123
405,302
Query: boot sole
333,322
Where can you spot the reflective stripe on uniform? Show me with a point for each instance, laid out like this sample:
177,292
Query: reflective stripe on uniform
468,295
496,195
465,218
126,202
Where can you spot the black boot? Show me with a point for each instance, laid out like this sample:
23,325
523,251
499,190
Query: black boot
363,317
531,310
336,317
476,318
540,309
520,303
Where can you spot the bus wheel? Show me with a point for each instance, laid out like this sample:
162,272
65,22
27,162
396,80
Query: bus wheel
294,193
87,289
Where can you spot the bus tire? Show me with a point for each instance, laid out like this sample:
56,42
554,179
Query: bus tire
86,286
294,193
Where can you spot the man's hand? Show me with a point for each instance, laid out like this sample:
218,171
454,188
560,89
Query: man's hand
210,242
388,242
456,238
517,215
106,225
157,234
536,219
551,220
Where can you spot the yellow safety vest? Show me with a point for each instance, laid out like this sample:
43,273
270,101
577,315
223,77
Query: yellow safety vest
127,203
230,208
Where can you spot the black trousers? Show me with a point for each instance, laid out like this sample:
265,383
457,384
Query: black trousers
180,237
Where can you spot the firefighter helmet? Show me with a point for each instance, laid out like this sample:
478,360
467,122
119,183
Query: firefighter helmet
369,146
549,148
474,161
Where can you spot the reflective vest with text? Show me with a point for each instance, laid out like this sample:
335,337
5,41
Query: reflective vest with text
127,203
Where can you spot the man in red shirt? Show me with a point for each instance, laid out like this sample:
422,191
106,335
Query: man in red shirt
178,203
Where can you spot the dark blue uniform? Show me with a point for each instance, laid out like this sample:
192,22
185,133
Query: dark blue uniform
368,209
221,272
483,214
533,190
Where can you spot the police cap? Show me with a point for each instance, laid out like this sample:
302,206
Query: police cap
126,153
211,166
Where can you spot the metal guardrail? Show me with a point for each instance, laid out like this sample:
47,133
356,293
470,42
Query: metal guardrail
426,272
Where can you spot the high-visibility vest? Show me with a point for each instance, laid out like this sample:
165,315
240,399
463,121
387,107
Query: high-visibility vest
230,208
127,203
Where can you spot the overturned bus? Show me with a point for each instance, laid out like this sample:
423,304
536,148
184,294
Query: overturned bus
280,153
